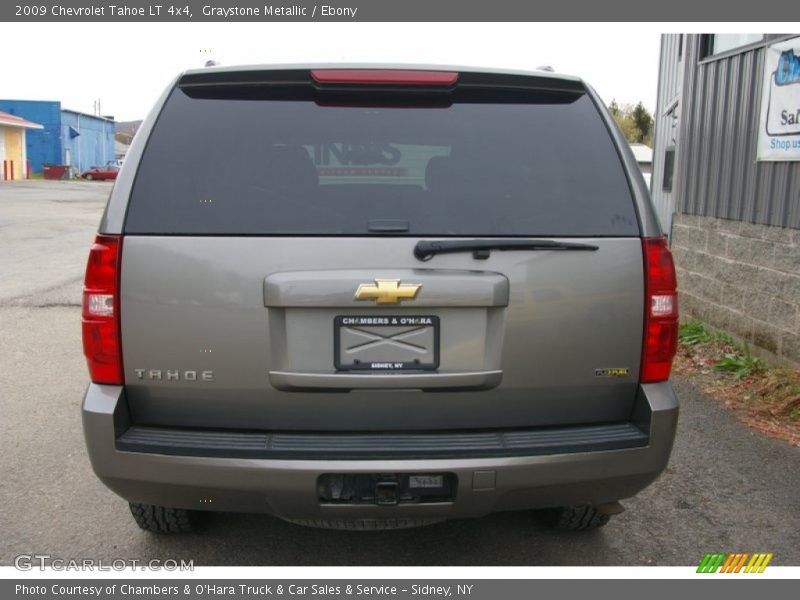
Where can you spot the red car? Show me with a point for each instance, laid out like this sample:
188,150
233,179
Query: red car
102,173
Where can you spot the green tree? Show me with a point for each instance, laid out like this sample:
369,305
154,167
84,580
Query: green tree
644,124
636,122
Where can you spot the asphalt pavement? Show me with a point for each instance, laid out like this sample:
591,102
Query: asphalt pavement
727,488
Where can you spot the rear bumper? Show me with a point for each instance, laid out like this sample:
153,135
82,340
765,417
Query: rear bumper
580,473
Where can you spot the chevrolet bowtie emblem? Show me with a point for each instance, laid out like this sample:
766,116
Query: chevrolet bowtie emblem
387,291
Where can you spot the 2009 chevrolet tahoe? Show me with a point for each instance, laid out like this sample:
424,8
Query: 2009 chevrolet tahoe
378,297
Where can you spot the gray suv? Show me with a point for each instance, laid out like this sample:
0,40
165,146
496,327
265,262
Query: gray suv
375,297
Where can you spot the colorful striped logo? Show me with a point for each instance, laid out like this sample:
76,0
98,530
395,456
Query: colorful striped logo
734,562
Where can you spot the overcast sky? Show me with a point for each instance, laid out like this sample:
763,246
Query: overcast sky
127,66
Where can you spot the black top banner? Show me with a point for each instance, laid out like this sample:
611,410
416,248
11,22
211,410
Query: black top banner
398,10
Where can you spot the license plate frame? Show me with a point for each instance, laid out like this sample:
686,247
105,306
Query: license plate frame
430,323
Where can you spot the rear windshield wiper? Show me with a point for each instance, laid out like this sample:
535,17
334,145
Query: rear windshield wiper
426,250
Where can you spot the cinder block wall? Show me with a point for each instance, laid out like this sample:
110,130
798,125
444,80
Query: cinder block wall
741,277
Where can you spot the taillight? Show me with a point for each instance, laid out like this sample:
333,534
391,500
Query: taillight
384,76
661,311
101,332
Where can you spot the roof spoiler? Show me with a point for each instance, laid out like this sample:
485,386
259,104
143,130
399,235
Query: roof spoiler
379,79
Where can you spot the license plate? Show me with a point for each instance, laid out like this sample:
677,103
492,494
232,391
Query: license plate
386,342
426,481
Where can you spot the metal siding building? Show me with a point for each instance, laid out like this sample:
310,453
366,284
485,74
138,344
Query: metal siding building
68,137
43,145
734,220
87,140
708,109
722,177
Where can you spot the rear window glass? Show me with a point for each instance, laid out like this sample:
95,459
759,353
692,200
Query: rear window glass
260,166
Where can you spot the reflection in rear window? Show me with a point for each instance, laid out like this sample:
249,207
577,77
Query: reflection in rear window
246,166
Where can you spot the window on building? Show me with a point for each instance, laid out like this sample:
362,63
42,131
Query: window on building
717,43
669,169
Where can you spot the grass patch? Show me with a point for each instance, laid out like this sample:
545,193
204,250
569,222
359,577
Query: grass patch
739,364
693,333
769,397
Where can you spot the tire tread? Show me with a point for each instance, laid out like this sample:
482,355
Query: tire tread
162,519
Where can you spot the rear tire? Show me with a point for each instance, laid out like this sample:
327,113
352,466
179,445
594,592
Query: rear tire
162,519
89,177
575,518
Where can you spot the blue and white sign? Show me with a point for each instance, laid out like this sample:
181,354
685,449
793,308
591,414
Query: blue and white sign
779,127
